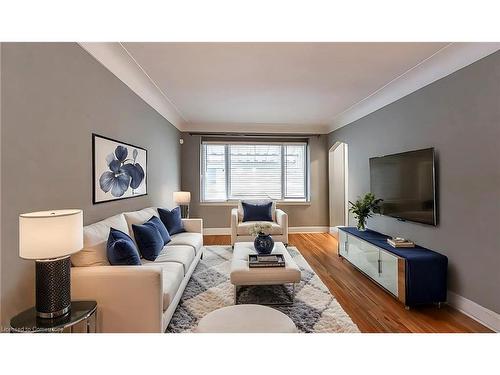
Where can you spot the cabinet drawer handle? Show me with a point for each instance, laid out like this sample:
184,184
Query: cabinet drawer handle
379,266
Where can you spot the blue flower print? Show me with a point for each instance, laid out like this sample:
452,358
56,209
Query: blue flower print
123,173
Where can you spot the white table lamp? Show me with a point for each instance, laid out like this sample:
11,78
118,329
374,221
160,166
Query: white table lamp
183,198
49,238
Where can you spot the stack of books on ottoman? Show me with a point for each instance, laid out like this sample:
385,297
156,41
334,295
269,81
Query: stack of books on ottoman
261,261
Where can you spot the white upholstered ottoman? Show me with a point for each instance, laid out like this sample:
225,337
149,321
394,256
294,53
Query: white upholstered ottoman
241,274
246,319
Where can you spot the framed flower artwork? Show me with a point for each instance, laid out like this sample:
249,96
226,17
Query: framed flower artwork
119,170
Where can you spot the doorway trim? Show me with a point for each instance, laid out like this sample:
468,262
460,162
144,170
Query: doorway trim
336,176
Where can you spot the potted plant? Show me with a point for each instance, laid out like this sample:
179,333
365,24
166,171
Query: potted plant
363,208
263,243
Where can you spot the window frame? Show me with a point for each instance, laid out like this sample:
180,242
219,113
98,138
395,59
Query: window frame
227,156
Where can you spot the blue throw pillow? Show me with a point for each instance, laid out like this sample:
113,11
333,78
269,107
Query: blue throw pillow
155,220
121,250
149,240
172,220
257,212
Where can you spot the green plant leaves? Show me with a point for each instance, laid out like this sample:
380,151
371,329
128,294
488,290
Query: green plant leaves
364,207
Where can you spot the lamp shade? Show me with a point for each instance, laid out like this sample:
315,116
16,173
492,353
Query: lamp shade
182,197
50,234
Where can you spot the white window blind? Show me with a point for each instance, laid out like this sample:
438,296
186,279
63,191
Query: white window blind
214,173
295,171
233,171
255,171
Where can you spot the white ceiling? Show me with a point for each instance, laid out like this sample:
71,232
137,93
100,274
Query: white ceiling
278,87
273,83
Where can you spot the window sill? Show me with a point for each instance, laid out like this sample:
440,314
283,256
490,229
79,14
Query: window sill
235,204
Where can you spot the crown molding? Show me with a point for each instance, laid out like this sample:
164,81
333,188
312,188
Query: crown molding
446,61
114,57
257,128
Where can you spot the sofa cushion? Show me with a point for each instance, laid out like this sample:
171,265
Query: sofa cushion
256,201
243,228
257,212
172,220
95,238
155,220
179,254
172,275
195,240
148,239
121,250
139,217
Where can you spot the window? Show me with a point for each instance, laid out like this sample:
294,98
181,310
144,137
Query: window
214,173
232,171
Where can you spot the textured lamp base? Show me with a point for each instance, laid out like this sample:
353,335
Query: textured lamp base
53,287
184,211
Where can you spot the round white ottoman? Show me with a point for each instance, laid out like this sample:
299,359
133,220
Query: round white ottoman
246,319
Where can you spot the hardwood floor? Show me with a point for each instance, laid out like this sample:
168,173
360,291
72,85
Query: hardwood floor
369,306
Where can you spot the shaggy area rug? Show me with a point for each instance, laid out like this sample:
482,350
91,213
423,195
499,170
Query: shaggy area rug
314,309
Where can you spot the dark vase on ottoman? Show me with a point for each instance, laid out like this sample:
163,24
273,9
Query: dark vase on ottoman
264,244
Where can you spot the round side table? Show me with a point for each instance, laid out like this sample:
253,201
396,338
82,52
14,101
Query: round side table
81,311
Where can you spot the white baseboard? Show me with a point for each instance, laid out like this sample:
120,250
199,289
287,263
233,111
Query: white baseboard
217,231
227,231
308,229
334,231
477,312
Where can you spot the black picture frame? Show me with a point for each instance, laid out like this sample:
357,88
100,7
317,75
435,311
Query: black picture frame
95,177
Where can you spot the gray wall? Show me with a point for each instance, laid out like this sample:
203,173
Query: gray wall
459,115
218,216
1,304
53,97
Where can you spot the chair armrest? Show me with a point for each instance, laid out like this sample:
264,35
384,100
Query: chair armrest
234,225
129,298
234,216
281,217
193,225
282,221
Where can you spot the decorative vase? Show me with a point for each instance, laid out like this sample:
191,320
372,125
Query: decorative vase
264,243
362,224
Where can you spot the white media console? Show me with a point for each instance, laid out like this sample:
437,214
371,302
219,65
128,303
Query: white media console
383,267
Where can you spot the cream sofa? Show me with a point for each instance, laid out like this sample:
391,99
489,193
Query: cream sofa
135,298
239,228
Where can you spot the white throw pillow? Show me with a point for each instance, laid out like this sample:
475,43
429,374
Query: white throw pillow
139,217
95,239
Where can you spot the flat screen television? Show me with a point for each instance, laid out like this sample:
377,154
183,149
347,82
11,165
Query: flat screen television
407,184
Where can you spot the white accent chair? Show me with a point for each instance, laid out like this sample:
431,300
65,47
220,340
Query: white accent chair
239,228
